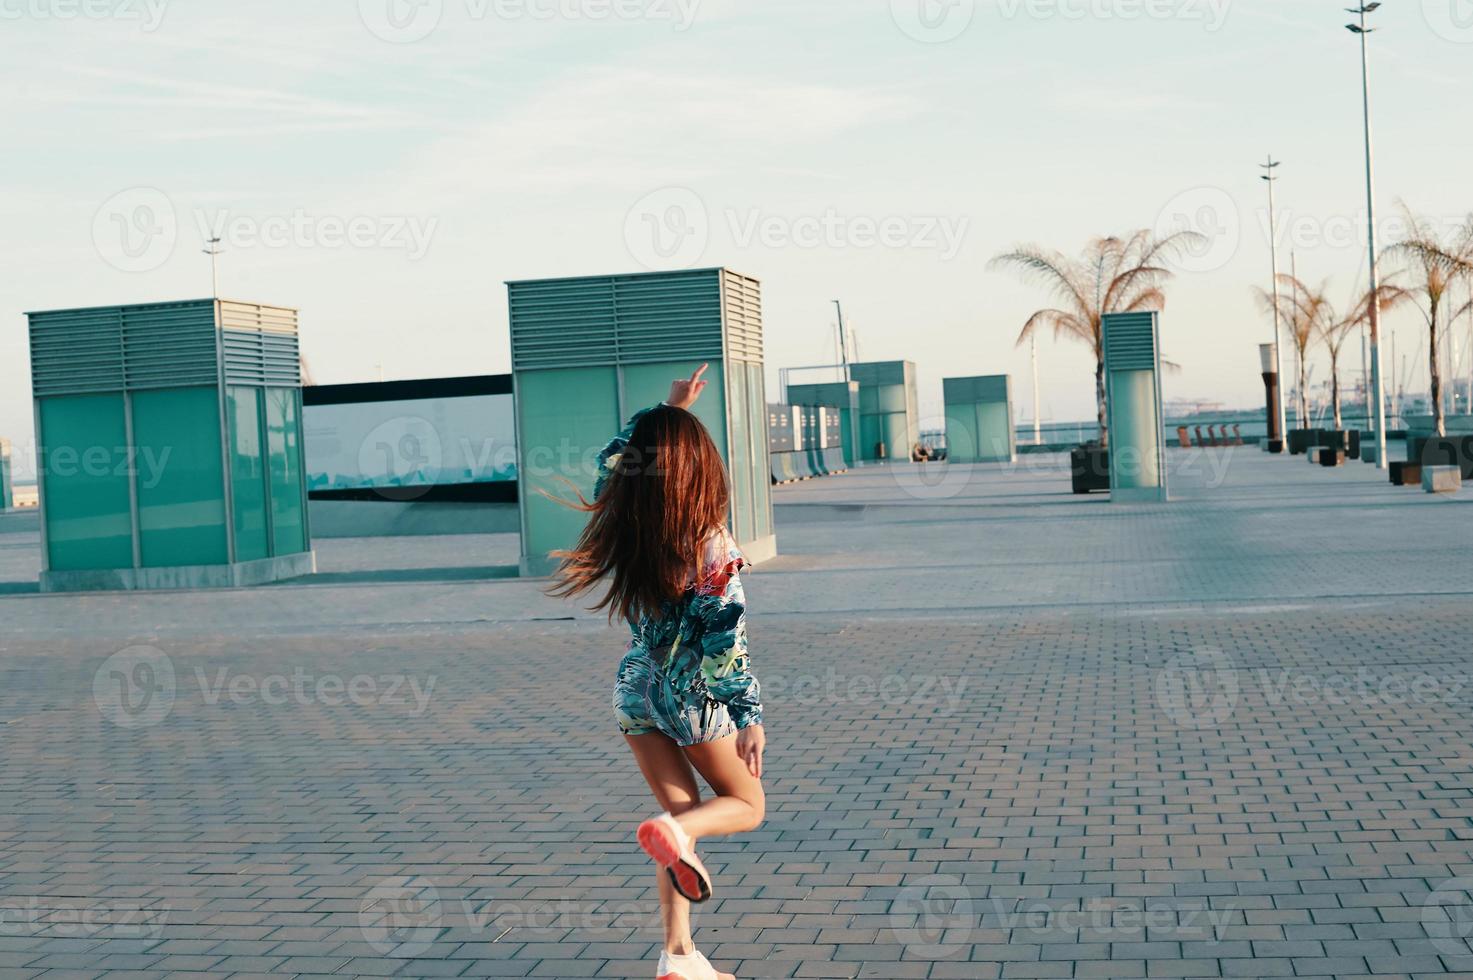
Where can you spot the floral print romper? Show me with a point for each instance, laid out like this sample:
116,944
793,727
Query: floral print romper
686,673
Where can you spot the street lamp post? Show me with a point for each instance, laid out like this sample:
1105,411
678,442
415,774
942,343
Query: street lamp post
1276,405
1378,415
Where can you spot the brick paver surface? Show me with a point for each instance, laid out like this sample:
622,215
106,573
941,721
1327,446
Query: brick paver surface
1013,733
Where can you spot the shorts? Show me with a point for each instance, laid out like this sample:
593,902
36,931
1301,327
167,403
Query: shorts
651,696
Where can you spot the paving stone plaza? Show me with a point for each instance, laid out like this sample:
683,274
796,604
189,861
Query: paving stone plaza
1012,733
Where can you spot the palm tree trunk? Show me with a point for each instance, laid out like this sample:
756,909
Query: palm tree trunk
1303,393
1100,406
1434,370
1335,387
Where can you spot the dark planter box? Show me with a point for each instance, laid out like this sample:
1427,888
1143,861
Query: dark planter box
1302,440
1331,457
1276,446
1336,439
1089,466
1443,451
1352,448
1406,474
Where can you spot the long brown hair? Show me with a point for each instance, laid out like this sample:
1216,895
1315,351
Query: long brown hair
662,498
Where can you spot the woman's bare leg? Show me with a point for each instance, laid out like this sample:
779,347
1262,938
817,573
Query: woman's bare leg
739,803
669,774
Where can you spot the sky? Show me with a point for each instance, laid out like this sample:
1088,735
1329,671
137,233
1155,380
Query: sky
386,165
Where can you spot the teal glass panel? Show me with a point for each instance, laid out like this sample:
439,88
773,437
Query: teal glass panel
762,462
1135,430
649,384
181,480
565,417
740,463
870,436
869,399
247,473
897,435
892,398
961,433
284,451
88,509
994,433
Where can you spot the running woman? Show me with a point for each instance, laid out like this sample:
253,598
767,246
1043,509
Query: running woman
685,697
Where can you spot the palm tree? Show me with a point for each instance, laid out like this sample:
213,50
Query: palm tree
1334,331
1113,275
1306,312
1435,266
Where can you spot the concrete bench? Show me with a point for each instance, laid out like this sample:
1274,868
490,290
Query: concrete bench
1442,479
1329,456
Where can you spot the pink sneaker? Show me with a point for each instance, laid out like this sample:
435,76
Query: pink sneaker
691,966
663,840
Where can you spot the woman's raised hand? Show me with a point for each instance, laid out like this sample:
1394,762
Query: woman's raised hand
685,391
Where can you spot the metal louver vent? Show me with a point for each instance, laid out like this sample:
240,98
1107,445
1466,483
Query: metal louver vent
981,390
260,345
630,319
743,301
162,345
1130,341
117,348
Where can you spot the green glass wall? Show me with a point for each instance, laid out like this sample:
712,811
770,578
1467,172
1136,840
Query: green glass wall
181,477
284,452
247,472
1135,430
89,512
762,461
564,420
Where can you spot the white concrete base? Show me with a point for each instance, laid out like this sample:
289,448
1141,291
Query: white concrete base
240,575
1442,479
1139,495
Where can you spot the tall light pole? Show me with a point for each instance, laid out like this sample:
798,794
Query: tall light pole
214,252
1269,176
843,343
1378,416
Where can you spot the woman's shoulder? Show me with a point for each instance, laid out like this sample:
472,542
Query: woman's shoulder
721,559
